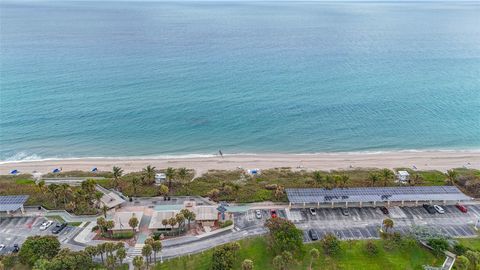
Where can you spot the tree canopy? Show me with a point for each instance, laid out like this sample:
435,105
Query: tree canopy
283,235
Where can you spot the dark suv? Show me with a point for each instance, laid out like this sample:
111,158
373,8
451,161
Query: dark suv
384,210
430,209
58,228
313,235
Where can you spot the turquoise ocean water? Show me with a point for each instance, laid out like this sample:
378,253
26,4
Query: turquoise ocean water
92,78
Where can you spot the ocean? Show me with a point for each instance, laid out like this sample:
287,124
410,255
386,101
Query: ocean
136,78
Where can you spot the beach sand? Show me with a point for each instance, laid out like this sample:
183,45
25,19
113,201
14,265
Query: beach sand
422,160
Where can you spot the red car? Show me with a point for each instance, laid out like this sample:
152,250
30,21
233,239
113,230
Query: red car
273,213
462,208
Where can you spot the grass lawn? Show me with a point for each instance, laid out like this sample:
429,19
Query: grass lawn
24,181
471,243
352,257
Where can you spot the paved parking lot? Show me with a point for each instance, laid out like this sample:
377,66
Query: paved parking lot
365,222
14,230
248,219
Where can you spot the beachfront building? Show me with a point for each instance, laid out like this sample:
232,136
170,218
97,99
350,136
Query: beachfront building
403,177
112,200
373,196
10,204
205,216
121,220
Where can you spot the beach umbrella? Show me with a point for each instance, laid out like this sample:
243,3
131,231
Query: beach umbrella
14,172
56,170
94,169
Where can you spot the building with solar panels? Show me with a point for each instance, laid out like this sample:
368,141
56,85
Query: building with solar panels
373,196
12,203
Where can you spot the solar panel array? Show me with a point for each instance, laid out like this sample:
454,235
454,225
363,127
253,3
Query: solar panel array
320,195
12,203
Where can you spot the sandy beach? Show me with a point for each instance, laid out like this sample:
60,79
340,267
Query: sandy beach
424,160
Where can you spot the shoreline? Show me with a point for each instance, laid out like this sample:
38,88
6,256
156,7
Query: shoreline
441,160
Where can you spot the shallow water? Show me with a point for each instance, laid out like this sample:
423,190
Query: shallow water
151,78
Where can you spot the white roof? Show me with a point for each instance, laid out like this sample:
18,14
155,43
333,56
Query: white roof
111,199
158,216
403,173
205,212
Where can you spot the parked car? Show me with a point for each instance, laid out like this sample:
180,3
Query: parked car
430,209
16,248
439,209
258,214
46,224
384,210
313,235
462,208
345,211
58,228
273,213
313,212
2,247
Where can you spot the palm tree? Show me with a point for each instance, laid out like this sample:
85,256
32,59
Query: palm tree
170,174
133,222
135,183
64,190
147,252
117,173
148,175
247,264
318,177
416,179
91,251
172,222
111,260
451,176
109,225
189,215
121,254
182,174
105,210
101,250
180,220
98,198
387,176
89,186
54,188
41,186
157,247
138,262
165,223
387,224
314,254
373,177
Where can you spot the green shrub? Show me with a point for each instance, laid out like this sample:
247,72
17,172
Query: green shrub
225,224
119,235
371,248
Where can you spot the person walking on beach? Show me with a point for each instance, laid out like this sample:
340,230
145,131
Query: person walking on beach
220,152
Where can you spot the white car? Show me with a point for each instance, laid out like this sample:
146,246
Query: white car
313,212
439,209
2,246
258,214
46,224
